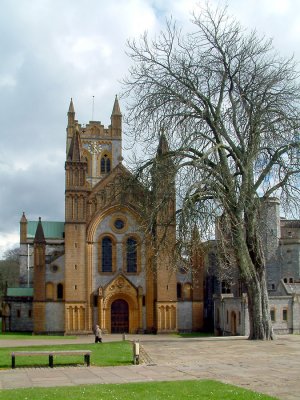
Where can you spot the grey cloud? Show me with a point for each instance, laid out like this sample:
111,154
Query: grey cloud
52,50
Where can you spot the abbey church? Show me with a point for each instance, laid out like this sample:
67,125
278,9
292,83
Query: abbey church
101,265
104,264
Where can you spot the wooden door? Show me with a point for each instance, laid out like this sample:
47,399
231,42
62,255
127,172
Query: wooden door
119,317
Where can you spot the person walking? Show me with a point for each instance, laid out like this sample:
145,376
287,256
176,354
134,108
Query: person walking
98,334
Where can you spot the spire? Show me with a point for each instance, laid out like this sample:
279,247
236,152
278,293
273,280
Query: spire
23,218
71,114
23,229
71,107
116,119
39,233
163,146
74,153
116,108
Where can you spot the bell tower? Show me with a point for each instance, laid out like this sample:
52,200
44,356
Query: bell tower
75,294
39,288
163,175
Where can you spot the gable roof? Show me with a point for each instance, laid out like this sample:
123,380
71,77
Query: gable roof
117,171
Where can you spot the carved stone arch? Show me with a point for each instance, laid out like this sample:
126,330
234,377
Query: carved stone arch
120,289
91,231
132,310
123,296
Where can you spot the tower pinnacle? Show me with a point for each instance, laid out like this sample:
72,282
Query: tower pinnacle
163,146
74,153
116,108
71,107
39,233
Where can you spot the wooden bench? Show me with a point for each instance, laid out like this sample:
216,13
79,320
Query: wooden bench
51,354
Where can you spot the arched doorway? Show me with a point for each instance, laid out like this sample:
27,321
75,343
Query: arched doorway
119,316
233,323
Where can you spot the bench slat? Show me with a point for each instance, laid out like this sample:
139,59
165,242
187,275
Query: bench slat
54,352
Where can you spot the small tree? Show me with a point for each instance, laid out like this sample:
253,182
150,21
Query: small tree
9,269
230,106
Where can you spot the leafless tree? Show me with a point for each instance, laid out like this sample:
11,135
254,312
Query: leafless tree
230,107
12,255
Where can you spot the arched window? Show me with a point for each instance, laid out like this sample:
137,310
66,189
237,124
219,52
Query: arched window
49,291
131,255
106,258
60,291
179,294
105,164
187,291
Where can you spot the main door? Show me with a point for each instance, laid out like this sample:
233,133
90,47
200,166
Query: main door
119,317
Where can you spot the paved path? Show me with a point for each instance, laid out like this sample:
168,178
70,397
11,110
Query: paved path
269,367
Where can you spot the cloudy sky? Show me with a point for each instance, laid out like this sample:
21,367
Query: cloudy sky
52,50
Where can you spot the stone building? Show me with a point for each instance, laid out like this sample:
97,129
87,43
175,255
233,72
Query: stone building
101,265
281,241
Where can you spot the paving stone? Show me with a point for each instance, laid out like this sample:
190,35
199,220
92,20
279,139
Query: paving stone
269,367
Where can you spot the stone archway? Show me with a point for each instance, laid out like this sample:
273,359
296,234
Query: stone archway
233,323
124,300
119,316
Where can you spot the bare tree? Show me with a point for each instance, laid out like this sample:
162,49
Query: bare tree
12,255
230,108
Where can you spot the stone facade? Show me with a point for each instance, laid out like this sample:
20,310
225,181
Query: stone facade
104,268
281,240
101,266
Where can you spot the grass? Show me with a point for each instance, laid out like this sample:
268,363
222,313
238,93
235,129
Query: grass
29,335
183,390
104,354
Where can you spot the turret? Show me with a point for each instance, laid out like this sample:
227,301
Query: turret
76,168
74,153
116,119
71,125
163,180
163,175
39,262
39,285
23,229
71,114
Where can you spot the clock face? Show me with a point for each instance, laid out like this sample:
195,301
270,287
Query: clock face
119,223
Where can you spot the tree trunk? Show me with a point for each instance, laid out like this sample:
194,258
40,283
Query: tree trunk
258,306
251,265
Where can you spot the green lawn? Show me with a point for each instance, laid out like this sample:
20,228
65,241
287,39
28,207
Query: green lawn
28,335
104,354
176,390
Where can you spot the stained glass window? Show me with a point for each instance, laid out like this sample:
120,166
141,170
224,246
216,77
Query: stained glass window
131,247
105,164
106,254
